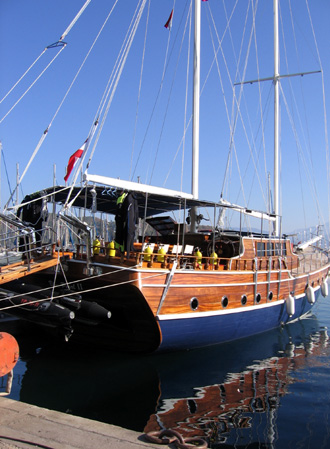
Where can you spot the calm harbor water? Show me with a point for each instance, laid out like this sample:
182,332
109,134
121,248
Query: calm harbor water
269,391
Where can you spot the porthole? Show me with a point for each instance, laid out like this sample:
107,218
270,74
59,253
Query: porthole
194,303
224,302
258,298
243,300
270,296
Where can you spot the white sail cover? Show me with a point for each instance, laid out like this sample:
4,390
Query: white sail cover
135,186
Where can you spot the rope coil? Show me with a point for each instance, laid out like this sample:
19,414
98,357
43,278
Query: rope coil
169,436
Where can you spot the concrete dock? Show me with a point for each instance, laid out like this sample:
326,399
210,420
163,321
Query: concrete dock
24,426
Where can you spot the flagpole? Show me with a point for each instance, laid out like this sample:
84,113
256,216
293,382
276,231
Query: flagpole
81,157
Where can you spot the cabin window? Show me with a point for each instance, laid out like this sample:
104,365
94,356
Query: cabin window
284,249
224,302
277,249
260,249
258,298
269,249
243,300
270,296
194,303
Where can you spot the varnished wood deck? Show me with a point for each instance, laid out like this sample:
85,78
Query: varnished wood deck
23,268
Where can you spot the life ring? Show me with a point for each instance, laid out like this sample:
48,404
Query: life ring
9,353
310,294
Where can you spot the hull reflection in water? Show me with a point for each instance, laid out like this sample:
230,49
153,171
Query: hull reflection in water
229,394
228,411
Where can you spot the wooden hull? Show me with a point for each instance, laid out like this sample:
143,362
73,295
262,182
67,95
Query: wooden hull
199,308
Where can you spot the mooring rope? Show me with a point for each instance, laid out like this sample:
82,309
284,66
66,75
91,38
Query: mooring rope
169,436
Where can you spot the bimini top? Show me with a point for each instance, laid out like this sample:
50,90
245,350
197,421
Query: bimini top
101,193
104,199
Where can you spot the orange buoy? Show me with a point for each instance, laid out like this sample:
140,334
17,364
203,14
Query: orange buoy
9,353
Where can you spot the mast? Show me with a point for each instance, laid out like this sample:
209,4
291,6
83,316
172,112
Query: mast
195,128
17,183
276,118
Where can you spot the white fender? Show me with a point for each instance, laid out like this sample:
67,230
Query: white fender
290,305
310,294
325,288
289,349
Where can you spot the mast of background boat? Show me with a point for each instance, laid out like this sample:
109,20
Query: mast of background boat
17,183
0,170
54,206
276,118
195,128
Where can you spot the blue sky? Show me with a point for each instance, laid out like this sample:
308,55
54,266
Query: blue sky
28,26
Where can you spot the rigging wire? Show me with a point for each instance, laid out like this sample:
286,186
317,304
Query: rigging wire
117,73
295,104
43,137
139,93
59,43
324,111
159,92
170,92
7,176
237,102
25,73
239,114
259,90
66,284
45,133
202,90
186,100
32,84
307,171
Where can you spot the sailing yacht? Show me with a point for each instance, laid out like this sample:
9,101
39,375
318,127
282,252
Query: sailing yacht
173,285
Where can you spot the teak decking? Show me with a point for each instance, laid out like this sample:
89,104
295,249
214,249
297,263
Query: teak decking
23,268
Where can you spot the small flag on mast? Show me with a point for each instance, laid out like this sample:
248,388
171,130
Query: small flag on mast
74,159
168,24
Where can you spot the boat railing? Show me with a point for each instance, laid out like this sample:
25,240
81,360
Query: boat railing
104,254
19,241
312,259
219,263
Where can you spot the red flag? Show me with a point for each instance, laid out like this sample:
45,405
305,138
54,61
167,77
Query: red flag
168,24
73,160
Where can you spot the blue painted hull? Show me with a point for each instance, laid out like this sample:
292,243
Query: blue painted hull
200,330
